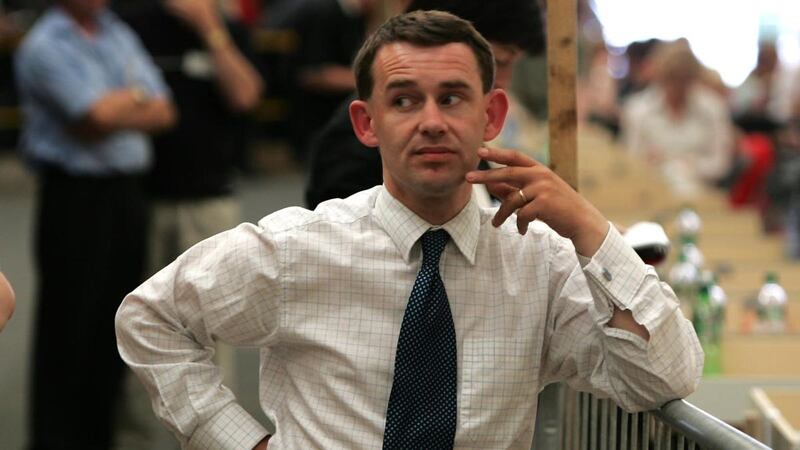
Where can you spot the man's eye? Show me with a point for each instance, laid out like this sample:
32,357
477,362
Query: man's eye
450,100
403,102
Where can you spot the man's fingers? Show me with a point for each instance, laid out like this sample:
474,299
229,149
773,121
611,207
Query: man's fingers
515,176
501,215
506,157
500,190
506,182
511,202
525,215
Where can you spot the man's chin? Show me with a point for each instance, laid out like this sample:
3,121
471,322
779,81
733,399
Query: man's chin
441,187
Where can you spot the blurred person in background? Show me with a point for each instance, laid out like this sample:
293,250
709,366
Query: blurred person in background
712,79
790,140
786,174
598,91
640,69
781,208
754,103
678,124
7,301
340,165
90,95
330,32
207,63
756,108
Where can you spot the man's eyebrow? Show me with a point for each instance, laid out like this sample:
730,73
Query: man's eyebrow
406,83
400,84
454,84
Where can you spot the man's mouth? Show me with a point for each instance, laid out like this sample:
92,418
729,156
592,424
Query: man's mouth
433,150
435,154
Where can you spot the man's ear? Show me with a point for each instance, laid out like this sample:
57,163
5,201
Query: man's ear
496,110
362,123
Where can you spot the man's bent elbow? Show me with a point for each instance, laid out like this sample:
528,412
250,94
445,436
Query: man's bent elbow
692,377
681,384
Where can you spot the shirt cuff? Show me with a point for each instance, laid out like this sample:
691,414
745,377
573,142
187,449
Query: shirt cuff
230,428
616,273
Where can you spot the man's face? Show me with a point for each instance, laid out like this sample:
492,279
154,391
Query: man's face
429,115
677,87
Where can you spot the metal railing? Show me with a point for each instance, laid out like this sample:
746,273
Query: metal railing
570,420
774,429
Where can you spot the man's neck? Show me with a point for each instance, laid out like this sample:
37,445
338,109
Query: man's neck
87,22
436,210
677,106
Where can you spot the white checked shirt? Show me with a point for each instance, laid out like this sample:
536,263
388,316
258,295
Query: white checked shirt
323,294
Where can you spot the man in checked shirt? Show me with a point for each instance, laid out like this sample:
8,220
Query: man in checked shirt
541,289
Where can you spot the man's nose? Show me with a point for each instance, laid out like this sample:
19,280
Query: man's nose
432,122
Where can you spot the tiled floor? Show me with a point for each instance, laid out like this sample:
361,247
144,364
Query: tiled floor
259,196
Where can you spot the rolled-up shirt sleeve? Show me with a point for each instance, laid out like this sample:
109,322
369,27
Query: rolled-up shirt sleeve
225,288
611,362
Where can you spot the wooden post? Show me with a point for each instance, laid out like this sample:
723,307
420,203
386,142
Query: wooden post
562,58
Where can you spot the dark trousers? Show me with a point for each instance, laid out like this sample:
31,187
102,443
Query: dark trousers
90,252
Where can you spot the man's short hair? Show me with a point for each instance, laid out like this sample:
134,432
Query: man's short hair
423,29
508,22
675,61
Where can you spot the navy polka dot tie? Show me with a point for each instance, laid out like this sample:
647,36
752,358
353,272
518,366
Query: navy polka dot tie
422,404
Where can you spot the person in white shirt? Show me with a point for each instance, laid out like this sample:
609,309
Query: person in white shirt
678,125
541,289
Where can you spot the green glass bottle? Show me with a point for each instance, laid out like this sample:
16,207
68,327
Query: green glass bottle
702,319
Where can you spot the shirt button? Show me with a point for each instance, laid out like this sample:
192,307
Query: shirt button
607,274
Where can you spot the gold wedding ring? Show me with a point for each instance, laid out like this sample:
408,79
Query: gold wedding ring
524,198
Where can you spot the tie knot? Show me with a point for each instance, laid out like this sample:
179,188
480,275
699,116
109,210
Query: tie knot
433,242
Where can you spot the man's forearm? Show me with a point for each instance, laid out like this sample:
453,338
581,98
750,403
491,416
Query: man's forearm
150,116
623,319
240,83
126,109
263,444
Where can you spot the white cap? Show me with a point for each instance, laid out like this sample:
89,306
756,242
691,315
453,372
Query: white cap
642,234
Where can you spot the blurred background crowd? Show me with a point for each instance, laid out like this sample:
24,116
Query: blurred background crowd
730,121
705,93
720,108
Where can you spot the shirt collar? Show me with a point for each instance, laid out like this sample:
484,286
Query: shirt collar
405,228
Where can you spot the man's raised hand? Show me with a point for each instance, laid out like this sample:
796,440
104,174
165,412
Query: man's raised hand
536,192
